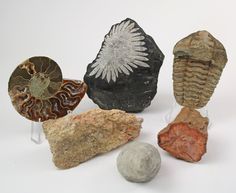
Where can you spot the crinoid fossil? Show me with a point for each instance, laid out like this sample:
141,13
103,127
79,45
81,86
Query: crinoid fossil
125,72
39,93
199,60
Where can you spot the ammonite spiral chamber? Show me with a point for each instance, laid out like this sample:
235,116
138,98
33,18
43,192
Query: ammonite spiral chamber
39,93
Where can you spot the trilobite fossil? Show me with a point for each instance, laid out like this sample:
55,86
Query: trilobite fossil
199,60
39,93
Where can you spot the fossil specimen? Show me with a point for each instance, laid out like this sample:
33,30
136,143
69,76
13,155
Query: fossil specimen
123,49
76,138
139,162
38,91
125,72
199,60
186,137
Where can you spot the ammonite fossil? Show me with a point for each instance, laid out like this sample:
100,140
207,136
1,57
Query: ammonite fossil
199,60
124,74
39,93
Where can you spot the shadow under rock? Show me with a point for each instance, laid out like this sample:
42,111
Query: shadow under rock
215,151
161,182
38,158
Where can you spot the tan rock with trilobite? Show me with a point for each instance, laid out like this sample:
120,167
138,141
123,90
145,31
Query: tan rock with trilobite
74,139
198,63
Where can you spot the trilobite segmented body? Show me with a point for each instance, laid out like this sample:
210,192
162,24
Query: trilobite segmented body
199,60
39,93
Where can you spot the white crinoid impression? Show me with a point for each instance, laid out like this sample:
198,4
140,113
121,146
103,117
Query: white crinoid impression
123,49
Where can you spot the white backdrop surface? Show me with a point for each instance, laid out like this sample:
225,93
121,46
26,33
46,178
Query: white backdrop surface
71,33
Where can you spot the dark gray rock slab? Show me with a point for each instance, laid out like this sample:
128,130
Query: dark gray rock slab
124,74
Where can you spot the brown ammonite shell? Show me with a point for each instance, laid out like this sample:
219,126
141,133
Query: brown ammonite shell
39,93
199,60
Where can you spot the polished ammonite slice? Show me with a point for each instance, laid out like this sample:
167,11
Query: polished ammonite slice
199,60
38,91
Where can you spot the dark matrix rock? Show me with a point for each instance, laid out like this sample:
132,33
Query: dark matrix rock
125,72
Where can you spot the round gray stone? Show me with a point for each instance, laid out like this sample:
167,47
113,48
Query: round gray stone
139,162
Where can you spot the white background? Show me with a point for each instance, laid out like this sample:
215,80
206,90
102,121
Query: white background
71,33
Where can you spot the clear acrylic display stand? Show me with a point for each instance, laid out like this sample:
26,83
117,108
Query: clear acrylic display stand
37,135
176,108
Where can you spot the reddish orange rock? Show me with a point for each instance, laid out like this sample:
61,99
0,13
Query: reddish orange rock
186,137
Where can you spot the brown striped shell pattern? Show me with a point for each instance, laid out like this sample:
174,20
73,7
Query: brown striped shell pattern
199,60
38,91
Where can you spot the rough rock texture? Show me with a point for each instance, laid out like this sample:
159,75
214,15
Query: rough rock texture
199,60
186,137
76,138
39,93
139,162
125,72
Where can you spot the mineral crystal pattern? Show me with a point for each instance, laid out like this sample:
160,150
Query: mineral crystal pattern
124,74
123,49
139,162
186,137
75,139
39,93
199,60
